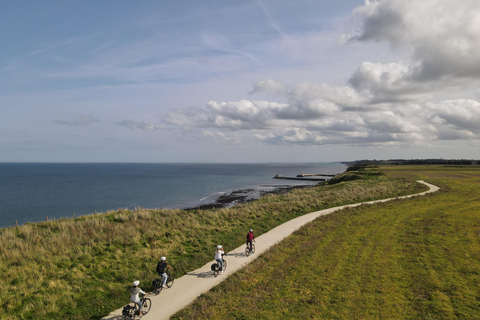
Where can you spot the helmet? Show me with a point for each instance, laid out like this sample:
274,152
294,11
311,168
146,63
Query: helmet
136,283
219,247
163,259
251,230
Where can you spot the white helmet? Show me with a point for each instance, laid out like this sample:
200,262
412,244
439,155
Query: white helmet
163,258
219,247
251,230
136,283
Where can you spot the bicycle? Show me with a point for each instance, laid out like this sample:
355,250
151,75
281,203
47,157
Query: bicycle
216,267
250,249
131,311
157,283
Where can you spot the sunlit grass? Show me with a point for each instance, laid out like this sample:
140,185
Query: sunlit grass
81,268
417,258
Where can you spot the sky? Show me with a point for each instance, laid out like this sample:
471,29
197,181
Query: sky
239,81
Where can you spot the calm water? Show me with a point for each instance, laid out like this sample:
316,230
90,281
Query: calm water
32,192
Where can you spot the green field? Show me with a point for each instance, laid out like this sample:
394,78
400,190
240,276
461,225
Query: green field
417,258
414,258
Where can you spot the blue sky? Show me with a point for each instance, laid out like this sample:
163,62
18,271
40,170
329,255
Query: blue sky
244,81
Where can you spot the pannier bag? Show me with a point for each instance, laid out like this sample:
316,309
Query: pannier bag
126,310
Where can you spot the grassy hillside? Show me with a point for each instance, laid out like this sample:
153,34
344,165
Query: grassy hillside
407,259
82,268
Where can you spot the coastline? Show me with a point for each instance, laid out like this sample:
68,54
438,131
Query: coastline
34,193
227,199
232,198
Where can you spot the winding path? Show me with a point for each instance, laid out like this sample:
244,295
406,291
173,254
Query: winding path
192,285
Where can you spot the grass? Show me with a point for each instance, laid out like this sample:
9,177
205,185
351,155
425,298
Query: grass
82,268
417,258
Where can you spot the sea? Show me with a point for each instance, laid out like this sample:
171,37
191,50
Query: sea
34,192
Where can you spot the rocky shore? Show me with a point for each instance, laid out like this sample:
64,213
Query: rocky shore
232,198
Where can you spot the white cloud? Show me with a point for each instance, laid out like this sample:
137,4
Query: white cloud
82,121
270,85
386,82
220,137
313,121
344,97
458,114
240,115
389,122
144,126
441,37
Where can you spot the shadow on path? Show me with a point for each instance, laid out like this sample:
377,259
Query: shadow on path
236,254
208,274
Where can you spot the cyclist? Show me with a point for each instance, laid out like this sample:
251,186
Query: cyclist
218,256
134,297
161,268
250,239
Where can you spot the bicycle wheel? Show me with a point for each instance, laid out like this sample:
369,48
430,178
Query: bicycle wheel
157,286
147,304
133,312
224,265
216,270
253,248
129,312
170,280
247,251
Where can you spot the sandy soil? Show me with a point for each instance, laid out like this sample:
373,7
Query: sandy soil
189,287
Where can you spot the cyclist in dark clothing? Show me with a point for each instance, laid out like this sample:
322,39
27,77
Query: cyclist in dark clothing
161,268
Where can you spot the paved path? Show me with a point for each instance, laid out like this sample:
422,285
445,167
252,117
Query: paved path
189,287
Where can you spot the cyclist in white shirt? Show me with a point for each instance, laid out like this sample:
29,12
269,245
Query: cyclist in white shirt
218,256
135,292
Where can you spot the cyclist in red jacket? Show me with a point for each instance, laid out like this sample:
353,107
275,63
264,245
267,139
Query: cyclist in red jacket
250,239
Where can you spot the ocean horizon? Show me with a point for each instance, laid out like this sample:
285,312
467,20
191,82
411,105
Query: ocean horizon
31,192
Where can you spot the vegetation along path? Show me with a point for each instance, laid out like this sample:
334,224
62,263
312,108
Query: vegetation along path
187,288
